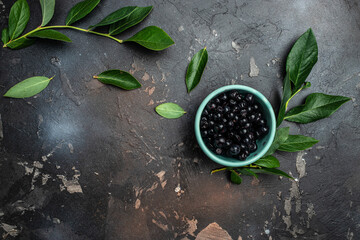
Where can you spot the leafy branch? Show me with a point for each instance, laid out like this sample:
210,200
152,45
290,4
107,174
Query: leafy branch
152,37
300,61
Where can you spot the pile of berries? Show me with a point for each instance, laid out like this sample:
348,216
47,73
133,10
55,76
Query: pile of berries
231,123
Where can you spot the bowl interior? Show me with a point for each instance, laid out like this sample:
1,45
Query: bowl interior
263,144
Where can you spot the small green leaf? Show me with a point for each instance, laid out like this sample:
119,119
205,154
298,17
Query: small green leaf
285,100
18,18
19,43
295,143
28,88
247,172
195,69
317,106
153,38
50,34
47,9
81,10
170,110
5,35
280,137
119,79
268,162
235,177
115,16
307,85
301,59
134,18
272,171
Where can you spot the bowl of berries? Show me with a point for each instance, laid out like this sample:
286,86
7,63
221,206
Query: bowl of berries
235,125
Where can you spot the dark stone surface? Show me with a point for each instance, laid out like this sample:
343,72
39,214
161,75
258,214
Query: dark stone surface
113,148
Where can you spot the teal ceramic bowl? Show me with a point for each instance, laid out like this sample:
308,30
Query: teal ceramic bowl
263,144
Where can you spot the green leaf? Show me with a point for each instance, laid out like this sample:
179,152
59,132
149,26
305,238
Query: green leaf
134,18
153,38
5,35
19,43
170,110
295,143
280,137
268,162
306,85
50,34
119,79
235,177
285,100
115,16
272,171
317,106
47,9
18,18
302,58
28,88
247,172
195,69
80,10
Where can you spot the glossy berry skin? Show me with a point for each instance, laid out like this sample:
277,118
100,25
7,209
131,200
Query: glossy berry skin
234,150
249,98
231,123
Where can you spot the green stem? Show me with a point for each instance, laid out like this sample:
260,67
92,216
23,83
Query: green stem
68,27
292,97
218,170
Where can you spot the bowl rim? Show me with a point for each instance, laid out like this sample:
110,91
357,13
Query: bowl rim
215,157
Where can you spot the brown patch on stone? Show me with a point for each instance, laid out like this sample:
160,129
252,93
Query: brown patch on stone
213,232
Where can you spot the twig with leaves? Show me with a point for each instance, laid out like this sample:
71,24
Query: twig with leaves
299,64
152,37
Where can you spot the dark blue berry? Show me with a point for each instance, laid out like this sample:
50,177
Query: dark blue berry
232,102
252,118
243,121
204,133
211,106
220,109
242,156
243,112
228,143
218,151
243,131
237,138
264,130
246,140
243,104
204,124
250,98
234,149
235,109
251,136
252,147
227,109
233,94
223,97
243,146
261,122
238,98
211,132
230,115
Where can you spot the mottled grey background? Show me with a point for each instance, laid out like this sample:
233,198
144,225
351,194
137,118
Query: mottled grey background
86,161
